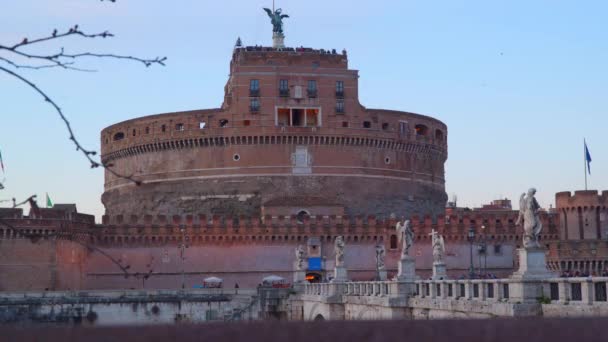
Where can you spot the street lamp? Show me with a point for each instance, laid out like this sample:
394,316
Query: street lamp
484,248
183,257
471,237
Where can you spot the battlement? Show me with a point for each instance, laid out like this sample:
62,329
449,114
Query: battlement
583,199
258,55
287,228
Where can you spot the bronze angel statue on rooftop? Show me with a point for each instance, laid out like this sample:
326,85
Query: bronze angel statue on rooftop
528,213
276,19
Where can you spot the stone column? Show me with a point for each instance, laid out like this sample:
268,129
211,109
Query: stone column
432,290
563,287
587,291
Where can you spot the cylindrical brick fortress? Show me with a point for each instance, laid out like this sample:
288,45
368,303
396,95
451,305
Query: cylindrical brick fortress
290,137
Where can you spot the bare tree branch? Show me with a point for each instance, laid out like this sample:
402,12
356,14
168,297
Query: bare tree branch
58,59
87,153
72,31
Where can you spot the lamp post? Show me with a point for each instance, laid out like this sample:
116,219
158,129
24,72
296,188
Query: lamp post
471,237
183,257
485,251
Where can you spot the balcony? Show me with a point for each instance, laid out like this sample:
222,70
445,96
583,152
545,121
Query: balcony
254,109
312,93
283,92
254,92
339,94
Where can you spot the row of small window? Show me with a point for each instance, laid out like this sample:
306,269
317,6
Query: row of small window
180,127
311,90
420,129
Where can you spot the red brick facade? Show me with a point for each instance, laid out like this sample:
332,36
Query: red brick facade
291,126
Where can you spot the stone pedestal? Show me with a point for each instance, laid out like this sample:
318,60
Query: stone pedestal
340,275
299,276
439,270
532,265
526,284
278,40
299,273
407,269
382,275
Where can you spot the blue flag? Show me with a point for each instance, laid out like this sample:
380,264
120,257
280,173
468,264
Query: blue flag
588,158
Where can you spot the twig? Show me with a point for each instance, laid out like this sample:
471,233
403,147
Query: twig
65,65
87,153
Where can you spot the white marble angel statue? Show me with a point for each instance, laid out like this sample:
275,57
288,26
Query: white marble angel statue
339,250
300,257
406,236
528,213
438,246
380,257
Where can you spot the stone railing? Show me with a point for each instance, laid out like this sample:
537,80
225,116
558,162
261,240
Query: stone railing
590,290
496,290
476,289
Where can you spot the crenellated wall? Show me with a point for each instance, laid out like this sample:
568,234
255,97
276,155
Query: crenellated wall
583,216
166,251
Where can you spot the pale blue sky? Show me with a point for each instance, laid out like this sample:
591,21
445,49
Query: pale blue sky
519,83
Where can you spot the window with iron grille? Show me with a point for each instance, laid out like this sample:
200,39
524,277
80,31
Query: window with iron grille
312,88
403,128
339,89
254,87
254,105
340,107
284,87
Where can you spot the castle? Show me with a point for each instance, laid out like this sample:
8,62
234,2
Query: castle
290,158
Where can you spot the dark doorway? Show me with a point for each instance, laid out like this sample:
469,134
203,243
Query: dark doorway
313,277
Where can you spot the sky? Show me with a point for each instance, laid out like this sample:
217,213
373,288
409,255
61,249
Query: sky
520,84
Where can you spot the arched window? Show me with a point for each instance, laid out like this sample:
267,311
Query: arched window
393,241
421,129
439,135
119,136
301,215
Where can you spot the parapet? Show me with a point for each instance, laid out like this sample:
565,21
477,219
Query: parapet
582,199
11,213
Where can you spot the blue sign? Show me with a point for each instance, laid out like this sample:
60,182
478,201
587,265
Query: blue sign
314,264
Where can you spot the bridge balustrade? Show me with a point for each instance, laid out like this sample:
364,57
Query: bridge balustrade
591,290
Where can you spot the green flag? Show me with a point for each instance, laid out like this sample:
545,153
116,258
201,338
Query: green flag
49,203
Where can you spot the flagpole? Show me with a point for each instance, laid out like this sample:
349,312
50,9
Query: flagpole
585,159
